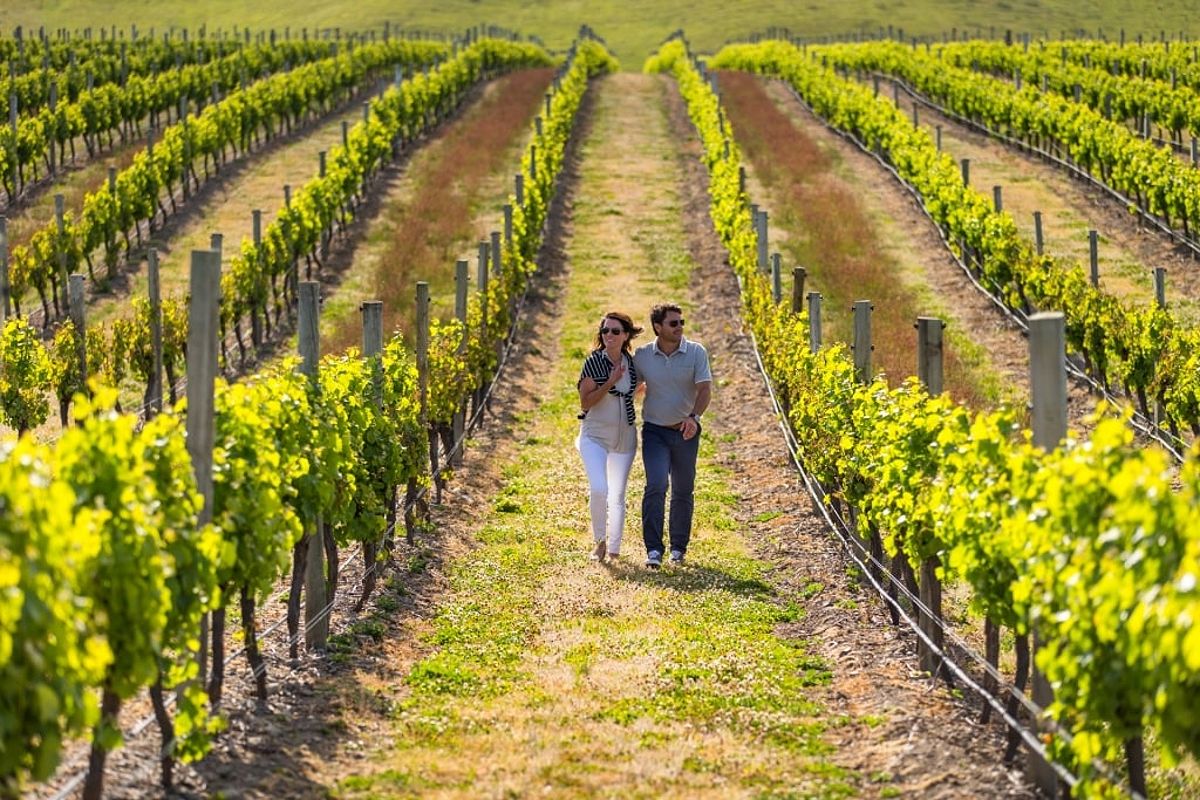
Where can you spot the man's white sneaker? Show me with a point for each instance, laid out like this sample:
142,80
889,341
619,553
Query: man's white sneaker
654,559
676,558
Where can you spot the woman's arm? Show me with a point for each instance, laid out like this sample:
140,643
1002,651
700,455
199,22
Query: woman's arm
591,393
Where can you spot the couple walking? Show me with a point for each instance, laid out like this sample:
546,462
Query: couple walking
674,374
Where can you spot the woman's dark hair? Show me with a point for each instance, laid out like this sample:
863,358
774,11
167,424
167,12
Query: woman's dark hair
626,323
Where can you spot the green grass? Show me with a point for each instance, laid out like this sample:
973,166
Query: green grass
633,36
608,665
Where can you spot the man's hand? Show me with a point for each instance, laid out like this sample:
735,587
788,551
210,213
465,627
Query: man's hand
690,428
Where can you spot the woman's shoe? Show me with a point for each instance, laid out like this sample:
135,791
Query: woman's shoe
598,552
613,557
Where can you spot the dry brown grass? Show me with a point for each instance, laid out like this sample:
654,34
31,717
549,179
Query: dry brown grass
830,233
430,225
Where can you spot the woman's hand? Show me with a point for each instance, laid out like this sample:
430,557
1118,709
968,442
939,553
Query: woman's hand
616,374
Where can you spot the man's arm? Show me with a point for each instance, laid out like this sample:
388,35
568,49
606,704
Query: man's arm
703,397
691,425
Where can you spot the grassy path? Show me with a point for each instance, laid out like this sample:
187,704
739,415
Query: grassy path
549,673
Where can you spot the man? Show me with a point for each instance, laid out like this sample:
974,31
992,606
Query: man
678,388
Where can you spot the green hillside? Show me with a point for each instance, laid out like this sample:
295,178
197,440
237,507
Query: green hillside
632,29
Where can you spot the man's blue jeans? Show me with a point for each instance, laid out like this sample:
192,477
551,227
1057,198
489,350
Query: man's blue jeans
668,458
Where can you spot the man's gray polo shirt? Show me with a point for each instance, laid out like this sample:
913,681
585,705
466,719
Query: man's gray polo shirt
671,380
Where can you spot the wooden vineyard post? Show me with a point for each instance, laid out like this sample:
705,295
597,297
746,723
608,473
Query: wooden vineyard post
998,199
59,210
481,284
760,226
862,372
938,137
1038,237
5,286
154,395
256,324
422,320
372,350
203,311
929,371
53,106
777,277
1048,390
316,619
519,189
798,276
12,123
966,171
1094,256
814,322
929,354
75,296
508,225
862,341
187,148
459,425
201,426
1160,300
498,273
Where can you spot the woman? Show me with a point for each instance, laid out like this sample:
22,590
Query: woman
608,438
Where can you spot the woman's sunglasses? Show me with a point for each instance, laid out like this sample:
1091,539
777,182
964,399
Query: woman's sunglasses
613,331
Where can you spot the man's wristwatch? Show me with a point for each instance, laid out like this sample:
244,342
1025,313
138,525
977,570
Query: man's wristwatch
694,416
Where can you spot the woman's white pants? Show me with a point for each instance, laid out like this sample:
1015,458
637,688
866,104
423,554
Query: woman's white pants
607,473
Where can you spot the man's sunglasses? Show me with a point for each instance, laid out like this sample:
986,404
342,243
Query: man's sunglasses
674,323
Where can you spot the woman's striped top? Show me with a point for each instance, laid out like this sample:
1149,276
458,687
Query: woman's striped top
598,367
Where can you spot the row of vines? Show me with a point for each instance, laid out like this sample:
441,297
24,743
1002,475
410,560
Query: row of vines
32,373
105,572
1087,546
1142,350
71,70
41,137
138,192
1105,148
